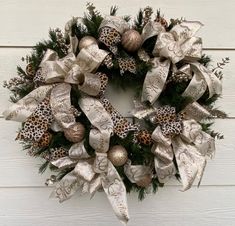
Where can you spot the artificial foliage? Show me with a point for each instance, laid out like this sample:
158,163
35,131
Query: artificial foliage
171,95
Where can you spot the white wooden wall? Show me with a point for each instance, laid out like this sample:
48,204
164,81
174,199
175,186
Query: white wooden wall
24,199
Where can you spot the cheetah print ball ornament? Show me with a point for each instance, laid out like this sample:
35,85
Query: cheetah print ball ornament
144,137
75,133
131,40
118,155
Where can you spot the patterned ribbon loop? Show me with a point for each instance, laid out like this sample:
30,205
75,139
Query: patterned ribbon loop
190,146
179,42
176,45
71,69
136,172
163,160
91,173
21,110
202,78
99,140
151,29
155,80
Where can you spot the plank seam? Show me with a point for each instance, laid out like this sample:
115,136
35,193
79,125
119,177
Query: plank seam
31,46
180,186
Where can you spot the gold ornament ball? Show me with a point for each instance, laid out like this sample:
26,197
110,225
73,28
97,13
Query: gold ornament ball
75,133
87,41
131,40
118,155
145,181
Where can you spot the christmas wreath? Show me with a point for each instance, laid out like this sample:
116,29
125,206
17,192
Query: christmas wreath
68,120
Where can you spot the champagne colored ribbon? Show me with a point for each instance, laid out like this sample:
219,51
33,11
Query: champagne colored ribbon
136,172
88,173
196,111
21,110
72,69
115,22
61,105
180,42
93,173
176,45
190,149
155,80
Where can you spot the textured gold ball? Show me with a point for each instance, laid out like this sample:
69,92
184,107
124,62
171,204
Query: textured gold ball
131,40
145,181
75,133
118,155
87,41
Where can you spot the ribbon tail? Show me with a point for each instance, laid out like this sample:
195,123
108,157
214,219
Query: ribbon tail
191,163
155,80
164,155
116,193
61,105
67,187
21,110
213,83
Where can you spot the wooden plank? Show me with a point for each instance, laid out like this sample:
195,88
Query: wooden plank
21,170
25,22
206,206
9,58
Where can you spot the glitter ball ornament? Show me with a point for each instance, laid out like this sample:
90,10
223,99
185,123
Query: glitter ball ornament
145,181
75,133
144,137
181,77
118,155
30,70
87,41
131,40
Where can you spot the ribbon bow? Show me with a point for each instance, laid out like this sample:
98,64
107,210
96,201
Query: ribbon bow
184,140
90,173
176,45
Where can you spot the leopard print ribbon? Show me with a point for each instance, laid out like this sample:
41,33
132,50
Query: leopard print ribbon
110,31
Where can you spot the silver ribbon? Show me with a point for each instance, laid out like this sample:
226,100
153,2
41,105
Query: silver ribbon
190,149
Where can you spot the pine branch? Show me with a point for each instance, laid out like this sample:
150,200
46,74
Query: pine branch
113,10
139,21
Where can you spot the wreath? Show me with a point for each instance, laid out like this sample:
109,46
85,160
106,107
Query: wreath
68,120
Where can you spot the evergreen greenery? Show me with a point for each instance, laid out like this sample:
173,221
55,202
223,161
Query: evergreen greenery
171,95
